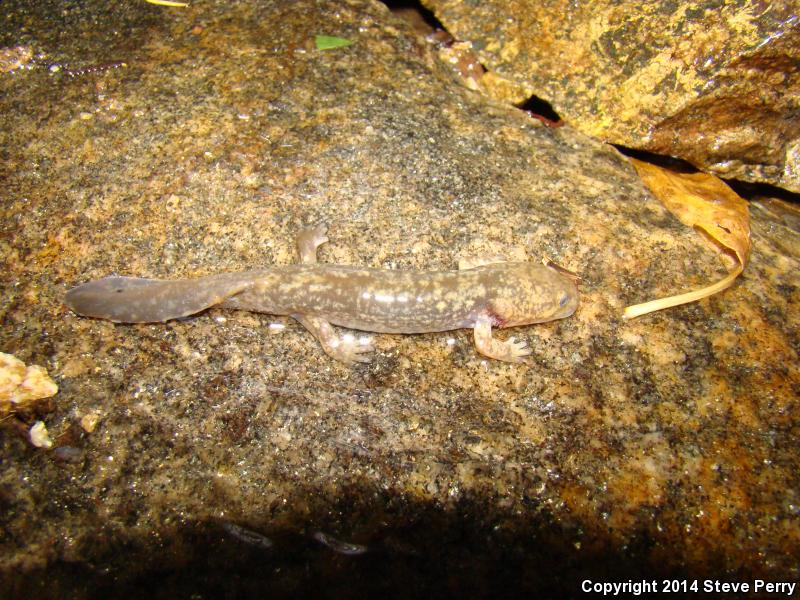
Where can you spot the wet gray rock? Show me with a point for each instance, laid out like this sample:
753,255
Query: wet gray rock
653,446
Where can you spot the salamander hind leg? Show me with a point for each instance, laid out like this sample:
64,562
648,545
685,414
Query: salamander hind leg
508,351
346,349
308,240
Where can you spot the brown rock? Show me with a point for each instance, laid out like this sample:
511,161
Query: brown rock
717,85
667,444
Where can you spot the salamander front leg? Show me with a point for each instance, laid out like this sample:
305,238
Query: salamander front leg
344,349
508,351
308,240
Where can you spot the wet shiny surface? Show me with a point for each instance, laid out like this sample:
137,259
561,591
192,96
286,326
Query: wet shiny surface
660,446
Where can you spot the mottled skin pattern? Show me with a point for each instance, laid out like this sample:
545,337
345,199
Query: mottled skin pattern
493,294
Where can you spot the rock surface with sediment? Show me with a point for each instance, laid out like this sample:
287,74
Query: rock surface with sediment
228,453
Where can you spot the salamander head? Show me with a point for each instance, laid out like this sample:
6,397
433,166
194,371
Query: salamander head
532,293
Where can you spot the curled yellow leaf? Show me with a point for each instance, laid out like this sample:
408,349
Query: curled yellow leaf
170,3
703,202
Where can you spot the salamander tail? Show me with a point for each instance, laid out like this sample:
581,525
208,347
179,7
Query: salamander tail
135,300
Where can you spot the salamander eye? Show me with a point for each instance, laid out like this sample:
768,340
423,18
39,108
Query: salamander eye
564,299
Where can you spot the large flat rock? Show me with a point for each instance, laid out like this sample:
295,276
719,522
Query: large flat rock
233,455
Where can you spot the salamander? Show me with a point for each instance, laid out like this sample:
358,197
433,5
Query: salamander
480,295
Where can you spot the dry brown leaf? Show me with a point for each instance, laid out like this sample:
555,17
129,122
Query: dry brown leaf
704,202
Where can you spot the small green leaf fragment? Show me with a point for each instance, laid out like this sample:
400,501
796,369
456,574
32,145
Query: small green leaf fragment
326,42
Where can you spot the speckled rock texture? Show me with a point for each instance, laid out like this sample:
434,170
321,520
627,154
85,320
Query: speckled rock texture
226,454
714,83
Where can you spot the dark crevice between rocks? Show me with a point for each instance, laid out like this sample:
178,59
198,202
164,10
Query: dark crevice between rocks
459,56
541,109
749,190
745,189
415,11
662,160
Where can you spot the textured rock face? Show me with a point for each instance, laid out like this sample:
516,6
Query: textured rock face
715,83
226,454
